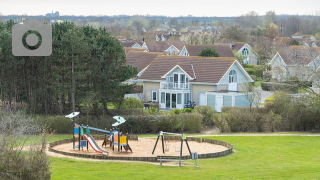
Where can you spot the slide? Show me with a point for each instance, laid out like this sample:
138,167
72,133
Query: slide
94,145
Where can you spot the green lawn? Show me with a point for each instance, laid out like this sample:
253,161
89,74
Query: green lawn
257,83
254,157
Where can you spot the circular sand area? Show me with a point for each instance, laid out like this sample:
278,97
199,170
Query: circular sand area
144,147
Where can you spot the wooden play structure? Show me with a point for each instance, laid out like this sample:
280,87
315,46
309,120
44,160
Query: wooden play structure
123,142
117,139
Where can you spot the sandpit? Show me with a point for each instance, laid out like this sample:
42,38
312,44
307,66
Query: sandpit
143,148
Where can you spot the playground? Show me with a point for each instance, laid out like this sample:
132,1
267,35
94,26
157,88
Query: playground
144,146
114,144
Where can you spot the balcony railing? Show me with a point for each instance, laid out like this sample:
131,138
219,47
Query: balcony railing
171,85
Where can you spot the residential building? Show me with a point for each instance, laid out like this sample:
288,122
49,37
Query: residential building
242,49
195,49
173,81
301,62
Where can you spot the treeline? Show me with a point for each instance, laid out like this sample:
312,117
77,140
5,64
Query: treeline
87,67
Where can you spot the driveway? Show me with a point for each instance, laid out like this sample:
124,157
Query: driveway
264,94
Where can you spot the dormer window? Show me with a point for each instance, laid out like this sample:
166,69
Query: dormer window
245,51
233,76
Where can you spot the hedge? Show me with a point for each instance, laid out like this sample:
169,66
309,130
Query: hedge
251,71
270,86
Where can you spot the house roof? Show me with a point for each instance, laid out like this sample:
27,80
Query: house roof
127,50
131,43
223,50
238,45
160,46
140,60
297,34
204,69
299,55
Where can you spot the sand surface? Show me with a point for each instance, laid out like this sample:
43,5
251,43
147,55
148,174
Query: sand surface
144,146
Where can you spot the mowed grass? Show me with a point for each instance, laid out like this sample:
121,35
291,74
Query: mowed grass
254,157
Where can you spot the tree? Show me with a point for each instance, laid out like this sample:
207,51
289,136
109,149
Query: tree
270,17
153,23
235,34
272,31
252,95
209,52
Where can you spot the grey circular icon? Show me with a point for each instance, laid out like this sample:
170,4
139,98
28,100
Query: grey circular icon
32,40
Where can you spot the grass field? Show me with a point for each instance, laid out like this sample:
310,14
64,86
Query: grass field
254,157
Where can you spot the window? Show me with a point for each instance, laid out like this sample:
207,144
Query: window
182,78
154,96
186,98
178,98
245,51
175,78
163,97
232,76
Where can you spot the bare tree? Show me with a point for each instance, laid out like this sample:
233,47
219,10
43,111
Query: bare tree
252,95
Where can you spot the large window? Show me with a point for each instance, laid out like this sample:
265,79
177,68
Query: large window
245,51
186,98
163,97
233,76
178,98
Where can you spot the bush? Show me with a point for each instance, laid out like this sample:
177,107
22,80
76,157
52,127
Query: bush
271,86
187,110
129,103
16,129
251,71
207,113
176,111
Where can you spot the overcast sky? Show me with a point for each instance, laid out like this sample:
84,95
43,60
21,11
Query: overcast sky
162,7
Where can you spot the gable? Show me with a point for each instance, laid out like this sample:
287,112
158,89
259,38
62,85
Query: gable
136,46
242,75
277,61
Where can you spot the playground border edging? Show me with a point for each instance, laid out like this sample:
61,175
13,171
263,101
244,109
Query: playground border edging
149,159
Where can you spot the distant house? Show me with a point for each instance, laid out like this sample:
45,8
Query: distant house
242,49
301,62
173,81
195,49
280,43
169,47
132,44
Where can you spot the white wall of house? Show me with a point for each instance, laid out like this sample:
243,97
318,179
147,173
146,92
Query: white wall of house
219,100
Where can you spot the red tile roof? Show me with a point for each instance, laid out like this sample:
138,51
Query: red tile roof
206,69
140,59
223,50
299,55
160,46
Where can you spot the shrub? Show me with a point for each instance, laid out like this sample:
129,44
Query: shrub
176,111
271,86
129,103
207,113
191,122
251,71
187,110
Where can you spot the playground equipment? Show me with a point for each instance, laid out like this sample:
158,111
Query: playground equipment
116,137
78,131
162,134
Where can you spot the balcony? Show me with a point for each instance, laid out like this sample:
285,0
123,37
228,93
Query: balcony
177,86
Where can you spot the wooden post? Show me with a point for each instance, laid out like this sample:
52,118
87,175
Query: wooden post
79,137
162,143
74,139
188,146
156,144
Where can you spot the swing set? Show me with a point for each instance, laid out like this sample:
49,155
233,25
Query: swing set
166,140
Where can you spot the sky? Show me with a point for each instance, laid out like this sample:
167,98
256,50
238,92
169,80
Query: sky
224,8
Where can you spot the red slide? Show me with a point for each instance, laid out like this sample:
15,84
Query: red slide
94,145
